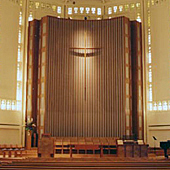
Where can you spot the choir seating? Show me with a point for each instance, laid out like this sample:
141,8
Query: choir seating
11,150
85,145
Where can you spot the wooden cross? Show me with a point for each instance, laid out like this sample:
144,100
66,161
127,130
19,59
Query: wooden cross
85,48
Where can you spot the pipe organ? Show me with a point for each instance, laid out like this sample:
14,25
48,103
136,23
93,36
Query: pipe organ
85,80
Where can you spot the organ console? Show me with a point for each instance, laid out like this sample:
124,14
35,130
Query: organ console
165,146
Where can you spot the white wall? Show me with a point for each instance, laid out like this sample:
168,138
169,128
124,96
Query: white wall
158,119
160,37
8,49
10,116
158,126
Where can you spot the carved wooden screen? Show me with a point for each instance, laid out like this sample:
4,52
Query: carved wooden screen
103,113
85,78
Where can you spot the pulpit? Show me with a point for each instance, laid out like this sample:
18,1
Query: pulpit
131,148
46,146
120,148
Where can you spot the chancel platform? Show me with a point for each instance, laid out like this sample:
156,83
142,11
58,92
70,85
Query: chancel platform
86,163
86,160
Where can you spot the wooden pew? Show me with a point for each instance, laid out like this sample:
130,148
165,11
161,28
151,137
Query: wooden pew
9,150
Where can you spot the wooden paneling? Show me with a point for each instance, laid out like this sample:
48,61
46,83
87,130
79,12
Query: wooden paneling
128,78
137,80
32,70
42,75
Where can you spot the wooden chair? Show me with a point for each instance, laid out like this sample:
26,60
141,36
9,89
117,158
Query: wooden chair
66,145
4,150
